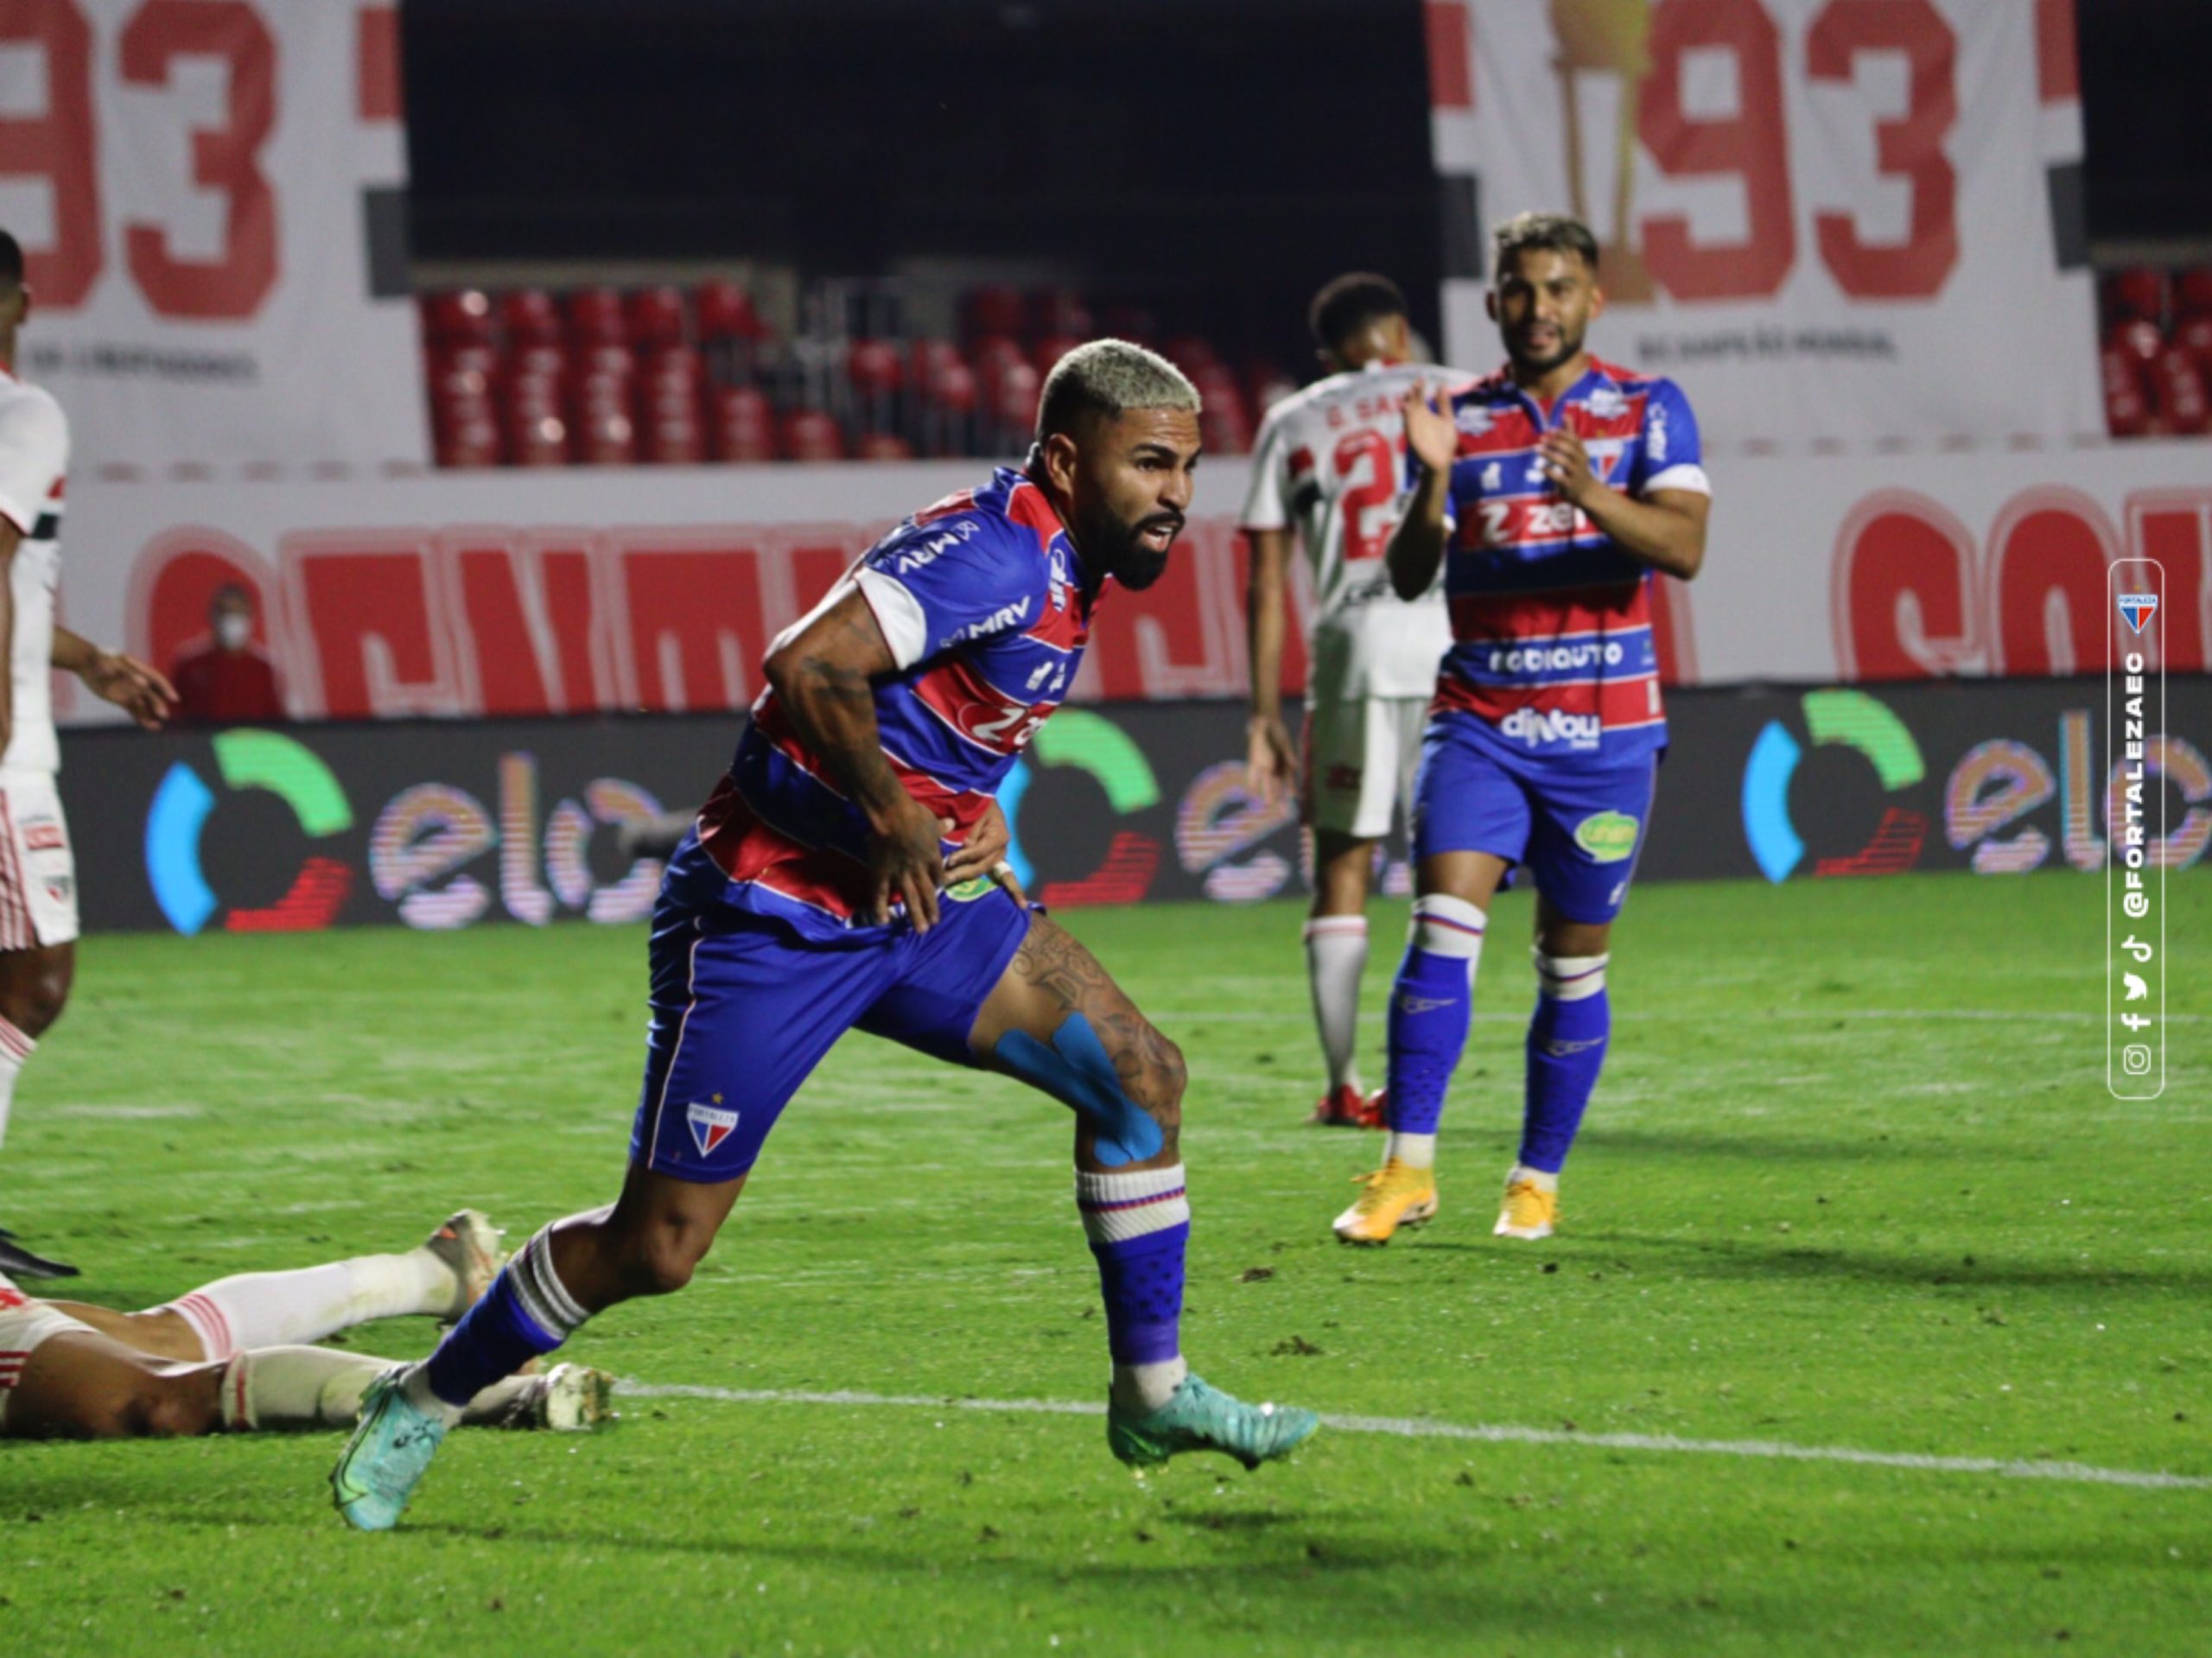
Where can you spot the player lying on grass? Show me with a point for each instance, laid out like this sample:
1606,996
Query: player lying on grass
232,1355
823,890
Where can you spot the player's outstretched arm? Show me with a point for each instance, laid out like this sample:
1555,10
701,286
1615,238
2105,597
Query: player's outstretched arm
1416,546
822,673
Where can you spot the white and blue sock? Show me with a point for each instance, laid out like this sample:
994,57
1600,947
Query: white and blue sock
1431,1005
1139,1224
1567,1036
525,1314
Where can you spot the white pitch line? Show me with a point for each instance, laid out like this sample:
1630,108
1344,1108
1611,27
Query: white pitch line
1414,1427
1912,1015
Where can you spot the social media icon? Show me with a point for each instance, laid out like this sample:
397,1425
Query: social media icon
2135,1059
2136,988
2135,947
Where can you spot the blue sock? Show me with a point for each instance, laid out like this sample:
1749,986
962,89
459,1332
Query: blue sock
1566,1049
1139,1225
1431,1005
524,1315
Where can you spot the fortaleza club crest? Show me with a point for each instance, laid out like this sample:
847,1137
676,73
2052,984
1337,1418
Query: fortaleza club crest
2139,608
710,1125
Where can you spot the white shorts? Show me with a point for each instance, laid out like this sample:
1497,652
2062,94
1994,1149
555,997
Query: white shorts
26,1325
38,871
1360,756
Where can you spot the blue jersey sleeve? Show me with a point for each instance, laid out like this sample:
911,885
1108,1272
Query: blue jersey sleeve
1670,454
936,585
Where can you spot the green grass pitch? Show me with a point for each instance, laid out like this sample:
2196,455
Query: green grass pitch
1852,1180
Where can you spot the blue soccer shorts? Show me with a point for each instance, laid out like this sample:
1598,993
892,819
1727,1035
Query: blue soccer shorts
743,1010
1576,827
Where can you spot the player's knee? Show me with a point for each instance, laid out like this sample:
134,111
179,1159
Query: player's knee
34,999
663,1258
151,1407
174,1410
1166,1079
1569,978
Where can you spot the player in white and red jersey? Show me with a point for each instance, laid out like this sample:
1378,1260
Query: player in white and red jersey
1328,461
38,877
233,1355
1552,493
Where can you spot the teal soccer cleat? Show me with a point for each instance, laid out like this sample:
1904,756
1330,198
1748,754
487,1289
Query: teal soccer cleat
386,1458
1203,1418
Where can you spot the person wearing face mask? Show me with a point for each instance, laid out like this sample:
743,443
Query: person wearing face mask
847,872
228,679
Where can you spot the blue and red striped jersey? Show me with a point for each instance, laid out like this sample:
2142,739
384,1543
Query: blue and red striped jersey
1553,650
986,607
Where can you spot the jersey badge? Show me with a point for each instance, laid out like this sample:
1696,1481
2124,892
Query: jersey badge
710,1125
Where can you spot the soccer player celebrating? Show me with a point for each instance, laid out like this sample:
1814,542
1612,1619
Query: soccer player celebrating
230,1356
1329,457
1550,493
834,880
38,877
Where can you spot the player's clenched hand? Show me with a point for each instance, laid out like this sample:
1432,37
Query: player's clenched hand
1431,433
139,690
908,864
1270,761
1566,463
982,852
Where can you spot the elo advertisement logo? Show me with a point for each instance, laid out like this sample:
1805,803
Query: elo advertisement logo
1855,720
248,759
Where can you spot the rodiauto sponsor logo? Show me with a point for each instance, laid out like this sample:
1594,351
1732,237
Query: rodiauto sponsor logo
436,852
1995,806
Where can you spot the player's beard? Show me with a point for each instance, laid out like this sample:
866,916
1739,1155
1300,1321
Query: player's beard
1531,362
1125,555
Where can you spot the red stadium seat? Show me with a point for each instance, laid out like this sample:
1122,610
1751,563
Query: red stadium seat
2193,293
1053,346
994,310
654,317
594,317
1191,353
725,312
2135,293
874,367
607,435
740,426
2194,335
529,317
2178,388
924,357
882,446
1010,408
1058,311
809,434
952,385
537,428
538,357
457,319
2127,409
994,354
2138,340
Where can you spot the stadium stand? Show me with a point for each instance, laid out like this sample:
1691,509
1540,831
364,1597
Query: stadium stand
663,376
